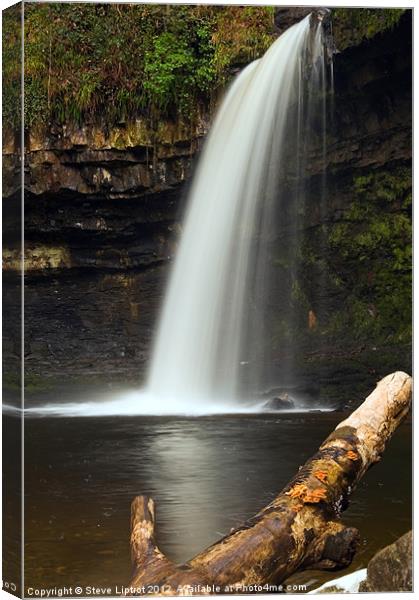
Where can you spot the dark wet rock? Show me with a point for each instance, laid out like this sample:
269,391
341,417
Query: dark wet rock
287,16
282,402
391,569
95,161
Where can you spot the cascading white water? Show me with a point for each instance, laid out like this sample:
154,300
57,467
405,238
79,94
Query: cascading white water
213,323
199,344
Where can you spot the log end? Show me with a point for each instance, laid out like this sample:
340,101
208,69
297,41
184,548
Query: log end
375,421
334,549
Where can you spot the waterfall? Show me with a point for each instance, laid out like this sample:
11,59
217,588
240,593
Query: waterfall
210,354
212,314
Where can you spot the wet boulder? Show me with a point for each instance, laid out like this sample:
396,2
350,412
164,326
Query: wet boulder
280,402
391,568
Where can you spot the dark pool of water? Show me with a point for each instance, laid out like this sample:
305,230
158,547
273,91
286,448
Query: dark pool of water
207,475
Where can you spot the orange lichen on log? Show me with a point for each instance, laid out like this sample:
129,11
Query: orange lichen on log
321,476
314,496
352,455
298,491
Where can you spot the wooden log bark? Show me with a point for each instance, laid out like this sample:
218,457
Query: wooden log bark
299,529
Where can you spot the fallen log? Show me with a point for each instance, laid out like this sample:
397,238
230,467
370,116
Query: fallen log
299,529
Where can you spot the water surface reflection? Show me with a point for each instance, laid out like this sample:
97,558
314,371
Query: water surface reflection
206,475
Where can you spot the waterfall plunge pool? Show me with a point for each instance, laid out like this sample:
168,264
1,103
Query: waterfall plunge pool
207,475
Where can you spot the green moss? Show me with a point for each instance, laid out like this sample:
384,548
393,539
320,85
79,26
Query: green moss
12,381
352,25
33,383
371,256
11,54
242,34
299,298
354,276
112,63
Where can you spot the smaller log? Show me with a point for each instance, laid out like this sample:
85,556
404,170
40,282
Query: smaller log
299,529
144,550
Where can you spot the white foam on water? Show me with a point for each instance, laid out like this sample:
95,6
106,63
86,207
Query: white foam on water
349,584
139,403
135,403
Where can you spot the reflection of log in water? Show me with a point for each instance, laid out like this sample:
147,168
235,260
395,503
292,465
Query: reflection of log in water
299,529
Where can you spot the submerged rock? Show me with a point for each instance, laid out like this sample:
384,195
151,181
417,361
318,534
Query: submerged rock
391,568
281,402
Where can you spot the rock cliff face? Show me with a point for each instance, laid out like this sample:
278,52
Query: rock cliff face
103,211
88,186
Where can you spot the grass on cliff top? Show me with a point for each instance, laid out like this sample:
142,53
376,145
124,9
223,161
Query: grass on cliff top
112,63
